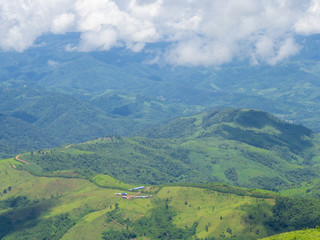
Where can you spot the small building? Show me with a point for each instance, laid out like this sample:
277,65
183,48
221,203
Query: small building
137,188
142,196
124,194
117,194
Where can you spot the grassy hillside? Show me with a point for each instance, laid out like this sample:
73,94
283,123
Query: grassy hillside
301,235
71,207
31,205
242,147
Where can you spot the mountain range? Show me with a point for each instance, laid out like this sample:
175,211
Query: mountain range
118,92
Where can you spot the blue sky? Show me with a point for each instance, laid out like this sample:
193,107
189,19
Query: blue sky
197,32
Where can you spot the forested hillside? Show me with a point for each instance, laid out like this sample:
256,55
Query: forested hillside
33,119
242,147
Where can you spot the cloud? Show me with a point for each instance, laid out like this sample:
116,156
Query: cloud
63,23
198,52
198,32
22,21
309,22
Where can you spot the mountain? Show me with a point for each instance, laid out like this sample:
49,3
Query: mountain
242,147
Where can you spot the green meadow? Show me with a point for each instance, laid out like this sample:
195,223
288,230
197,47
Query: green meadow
218,214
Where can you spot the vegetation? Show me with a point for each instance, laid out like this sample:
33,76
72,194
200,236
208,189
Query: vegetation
88,95
294,214
304,234
264,152
157,226
308,189
69,192
53,228
72,208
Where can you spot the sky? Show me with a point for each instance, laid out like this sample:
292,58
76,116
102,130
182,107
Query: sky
196,32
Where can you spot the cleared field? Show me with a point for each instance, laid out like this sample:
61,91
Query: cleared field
110,182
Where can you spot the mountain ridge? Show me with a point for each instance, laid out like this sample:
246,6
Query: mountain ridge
230,150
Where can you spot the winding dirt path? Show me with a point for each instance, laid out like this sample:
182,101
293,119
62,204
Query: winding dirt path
20,160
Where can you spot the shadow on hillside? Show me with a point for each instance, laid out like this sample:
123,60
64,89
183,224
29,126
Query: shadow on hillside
21,218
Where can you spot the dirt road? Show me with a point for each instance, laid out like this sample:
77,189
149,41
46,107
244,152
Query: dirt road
20,160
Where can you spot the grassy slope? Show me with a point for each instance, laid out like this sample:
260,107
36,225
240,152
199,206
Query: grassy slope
217,211
301,235
87,204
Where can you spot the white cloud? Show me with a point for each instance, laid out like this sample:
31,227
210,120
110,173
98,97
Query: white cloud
309,22
197,52
63,23
286,49
199,32
104,39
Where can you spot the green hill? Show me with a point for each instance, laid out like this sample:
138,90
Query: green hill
307,234
242,147
254,127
